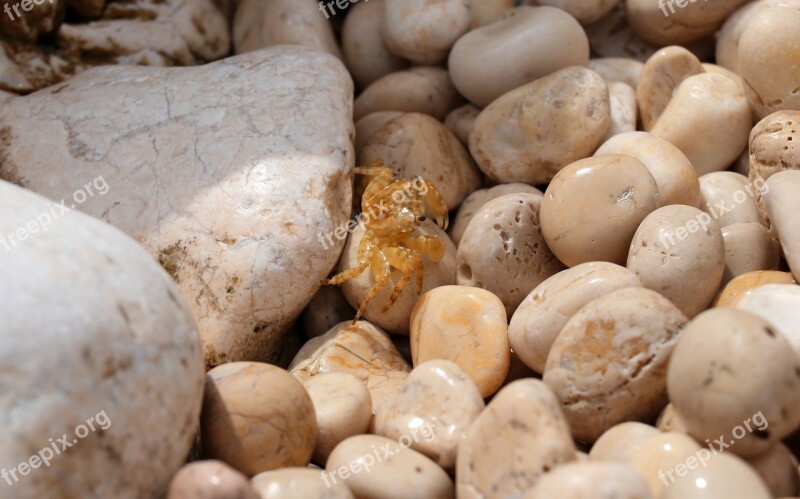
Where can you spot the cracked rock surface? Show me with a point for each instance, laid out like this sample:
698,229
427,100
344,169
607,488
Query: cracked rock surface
226,173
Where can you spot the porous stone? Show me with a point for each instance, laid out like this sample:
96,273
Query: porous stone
212,177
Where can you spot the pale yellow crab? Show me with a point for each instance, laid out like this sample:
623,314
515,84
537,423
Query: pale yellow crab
388,241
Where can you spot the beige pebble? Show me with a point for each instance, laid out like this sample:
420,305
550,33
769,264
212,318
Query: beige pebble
592,208
780,305
593,479
328,308
722,475
416,144
503,251
730,198
777,467
477,199
210,480
675,242
748,248
395,319
745,284
305,483
488,11
668,23
724,351
257,417
622,69
530,133
367,126
658,456
782,204
343,407
423,31
768,60
670,420
492,60
543,313
622,101
365,53
611,359
361,349
523,418
417,90
663,72
440,401
673,172
774,147
375,467
621,441
713,68
708,118
461,120
449,323
585,11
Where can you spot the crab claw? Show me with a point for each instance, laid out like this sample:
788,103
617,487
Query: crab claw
435,205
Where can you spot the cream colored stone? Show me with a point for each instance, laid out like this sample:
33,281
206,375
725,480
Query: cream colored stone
673,243
365,53
449,321
328,308
748,248
768,58
592,208
622,101
503,251
493,60
670,23
343,407
713,68
610,359
440,400
661,454
722,475
396,319
475,201
256,417
708,118
729,198
780,305
361,349
299,483
488,11
622,69
259,24
93,330
782,205
585,11
774,147
726,350
423,31
524,416
543,313
415,144
210,480
591,479
621,441
195,164
673,172
745,284
417,90
777,467
375,467
670,420
367,126
532,132
461,120
727,50
663,72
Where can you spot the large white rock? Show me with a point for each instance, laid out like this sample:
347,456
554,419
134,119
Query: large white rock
92,328
228,173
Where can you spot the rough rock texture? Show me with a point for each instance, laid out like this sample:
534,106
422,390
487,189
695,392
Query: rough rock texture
39,20
226,173
92,329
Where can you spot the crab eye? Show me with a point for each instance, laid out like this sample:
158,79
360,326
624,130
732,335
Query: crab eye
422,218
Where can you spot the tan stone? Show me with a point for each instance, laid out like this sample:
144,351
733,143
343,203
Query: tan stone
585,11
210,480
365,53
744,284
622,102
782,205
591,479
748,248
328,308
449,321
367,126
722,475
774,147
298,483
663,72
780,305
777,467
423,31
621,69
488,11
621,441
660,454
729,198
670,420
672,23
461,121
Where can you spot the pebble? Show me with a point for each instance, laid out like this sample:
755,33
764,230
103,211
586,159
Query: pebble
467,326
663,72
461,121
305,483
597,480
730,198
748,248
783,208
423,31
257,417
745,284
210,480
780,305
366,55
620,442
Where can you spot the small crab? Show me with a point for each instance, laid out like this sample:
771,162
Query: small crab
392,210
